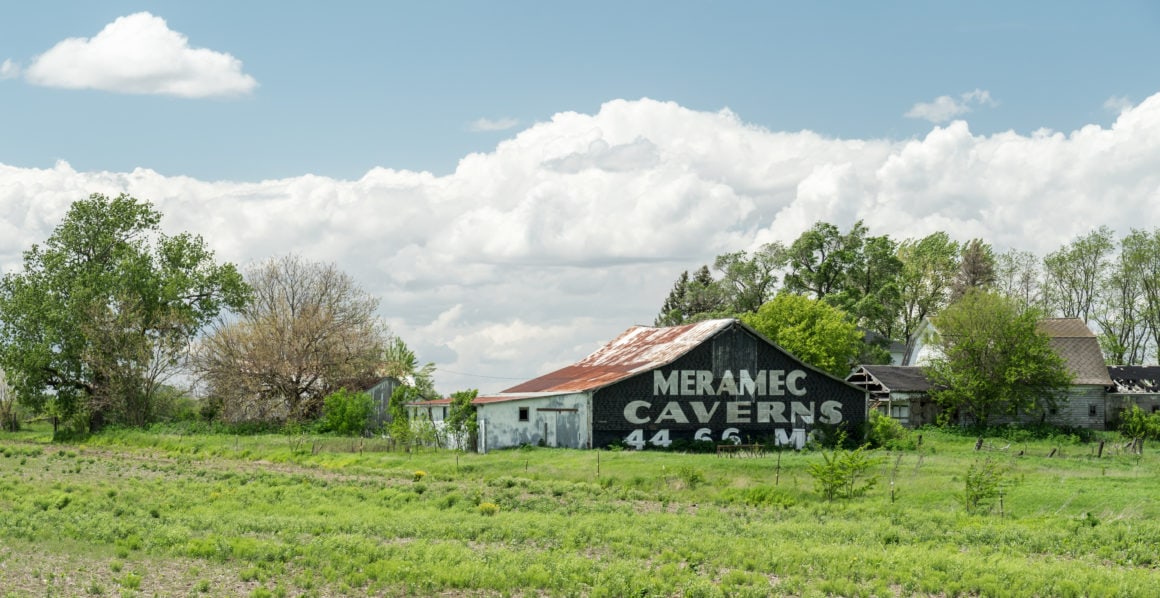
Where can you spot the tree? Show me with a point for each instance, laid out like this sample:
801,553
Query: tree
309,331
694,300
1121,313
1017,277
817,333
871,293
820,259
994,359
461,421
1145,251
9,419
400,362
1074,273
103,313
748,281
928,265
976,269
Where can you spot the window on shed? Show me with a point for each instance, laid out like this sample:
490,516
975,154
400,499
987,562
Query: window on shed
1091,410
523,414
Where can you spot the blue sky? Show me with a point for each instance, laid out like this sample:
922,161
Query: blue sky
519,182
343,87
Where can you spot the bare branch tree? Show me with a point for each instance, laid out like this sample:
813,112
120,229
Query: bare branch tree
309,330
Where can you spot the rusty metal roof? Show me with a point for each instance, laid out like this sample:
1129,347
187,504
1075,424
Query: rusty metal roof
638,349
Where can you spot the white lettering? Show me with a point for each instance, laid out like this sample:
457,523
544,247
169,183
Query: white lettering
703,416
775,383
768,412
704,382
632,412
796,439
831,412
687,377
663,385
802,412
672,412
793,383
728,385
749,386
737,412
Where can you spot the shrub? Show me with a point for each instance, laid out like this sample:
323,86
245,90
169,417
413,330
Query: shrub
691,476
981,485
886,432
488,509
419,475
347,413
844,474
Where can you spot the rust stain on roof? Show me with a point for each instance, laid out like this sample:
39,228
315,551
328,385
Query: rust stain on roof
638,349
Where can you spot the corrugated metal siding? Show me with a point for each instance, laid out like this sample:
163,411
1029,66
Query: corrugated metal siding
556,421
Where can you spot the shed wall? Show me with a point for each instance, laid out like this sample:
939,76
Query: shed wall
556,421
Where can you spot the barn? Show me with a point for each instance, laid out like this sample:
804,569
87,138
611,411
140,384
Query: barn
717,380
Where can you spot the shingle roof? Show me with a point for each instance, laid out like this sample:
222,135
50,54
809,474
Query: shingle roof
1135,378
1079,348
638,349
899,378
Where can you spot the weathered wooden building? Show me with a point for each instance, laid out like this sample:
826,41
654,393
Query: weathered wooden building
717,380
1084,404
1133,385
902,392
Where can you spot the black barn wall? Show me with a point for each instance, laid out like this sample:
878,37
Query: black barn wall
795,397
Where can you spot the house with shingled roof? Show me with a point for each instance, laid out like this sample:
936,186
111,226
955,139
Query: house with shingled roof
902,391
717,380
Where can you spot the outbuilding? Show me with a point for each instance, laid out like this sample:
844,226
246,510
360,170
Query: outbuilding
717,380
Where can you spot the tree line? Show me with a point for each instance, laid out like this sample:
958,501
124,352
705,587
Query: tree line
888,287
110,317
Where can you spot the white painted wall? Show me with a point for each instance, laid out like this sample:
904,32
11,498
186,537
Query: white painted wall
500,425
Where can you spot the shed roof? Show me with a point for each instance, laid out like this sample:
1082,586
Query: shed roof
638,349
1079,348
899,378
1135,378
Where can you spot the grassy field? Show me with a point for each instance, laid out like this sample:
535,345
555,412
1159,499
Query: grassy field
151,513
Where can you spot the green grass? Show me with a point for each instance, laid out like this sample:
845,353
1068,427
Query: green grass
276,515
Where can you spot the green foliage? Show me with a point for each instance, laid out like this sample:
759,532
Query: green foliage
994,359
844,473
981,485
815,332
1138,425
690,476
461,420
347,412
103,312
886,432
488,509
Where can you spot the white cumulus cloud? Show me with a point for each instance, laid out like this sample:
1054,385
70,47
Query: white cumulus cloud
9,69
944,108
530,256
140,54
484,125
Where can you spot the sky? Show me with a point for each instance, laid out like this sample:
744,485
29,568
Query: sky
519,182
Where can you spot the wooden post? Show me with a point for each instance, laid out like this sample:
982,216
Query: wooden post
597,464
979,444
777,474
1052,453
1100,453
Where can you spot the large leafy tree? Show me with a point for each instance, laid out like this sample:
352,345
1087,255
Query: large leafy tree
994,359
820,260
309,331
1074,274
102,313
816,332
928,266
